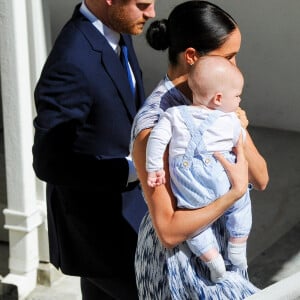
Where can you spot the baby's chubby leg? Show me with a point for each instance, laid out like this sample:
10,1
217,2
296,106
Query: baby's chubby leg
239,222
214,261
237,252
205,246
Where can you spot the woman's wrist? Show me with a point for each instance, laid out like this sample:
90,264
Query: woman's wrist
236,193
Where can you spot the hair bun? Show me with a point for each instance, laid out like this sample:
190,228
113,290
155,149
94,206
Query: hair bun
157,35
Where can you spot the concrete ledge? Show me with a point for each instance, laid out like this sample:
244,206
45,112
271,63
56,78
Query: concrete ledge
287,289
25,282
66,288
8,291
47,274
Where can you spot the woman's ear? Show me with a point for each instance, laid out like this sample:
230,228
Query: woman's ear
190,56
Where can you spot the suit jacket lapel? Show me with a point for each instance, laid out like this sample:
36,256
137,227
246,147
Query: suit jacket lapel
136,70
109,60
116,72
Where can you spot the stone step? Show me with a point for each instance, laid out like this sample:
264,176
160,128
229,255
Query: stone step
279,263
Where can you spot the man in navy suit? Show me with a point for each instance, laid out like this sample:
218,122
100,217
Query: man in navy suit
85,108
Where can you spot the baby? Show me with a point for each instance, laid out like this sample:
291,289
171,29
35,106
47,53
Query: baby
193,134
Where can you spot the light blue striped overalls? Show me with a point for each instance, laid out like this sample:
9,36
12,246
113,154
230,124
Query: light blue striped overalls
198,178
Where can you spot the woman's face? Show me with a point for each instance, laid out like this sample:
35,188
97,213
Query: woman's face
230,48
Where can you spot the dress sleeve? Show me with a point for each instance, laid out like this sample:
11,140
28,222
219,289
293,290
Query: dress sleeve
148,116
164,96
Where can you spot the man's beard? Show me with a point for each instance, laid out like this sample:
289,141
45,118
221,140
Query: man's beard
121,24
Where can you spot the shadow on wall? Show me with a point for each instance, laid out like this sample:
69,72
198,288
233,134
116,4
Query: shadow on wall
273,241
279,261
1,113
3,197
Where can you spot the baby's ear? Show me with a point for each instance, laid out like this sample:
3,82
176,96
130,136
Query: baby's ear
218,99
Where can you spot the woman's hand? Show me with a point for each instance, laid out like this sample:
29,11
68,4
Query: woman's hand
241,114
236,172
174,225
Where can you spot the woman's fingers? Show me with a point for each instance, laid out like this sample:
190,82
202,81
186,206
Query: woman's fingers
236,172
241,114
224,162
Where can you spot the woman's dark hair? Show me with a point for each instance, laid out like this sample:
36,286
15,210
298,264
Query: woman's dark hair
197,24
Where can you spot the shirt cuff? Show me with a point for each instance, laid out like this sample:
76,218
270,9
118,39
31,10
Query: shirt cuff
132,176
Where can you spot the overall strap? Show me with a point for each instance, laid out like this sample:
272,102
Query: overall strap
196,141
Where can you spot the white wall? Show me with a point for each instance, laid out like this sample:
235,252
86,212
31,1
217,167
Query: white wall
3,199
268,57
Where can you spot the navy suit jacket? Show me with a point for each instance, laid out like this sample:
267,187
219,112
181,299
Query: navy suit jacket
85,110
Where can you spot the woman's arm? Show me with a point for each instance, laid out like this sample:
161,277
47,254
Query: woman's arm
174,225
258,171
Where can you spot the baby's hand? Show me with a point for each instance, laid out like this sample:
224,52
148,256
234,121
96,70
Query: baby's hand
156,178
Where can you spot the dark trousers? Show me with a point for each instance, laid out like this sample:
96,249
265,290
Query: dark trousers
108,288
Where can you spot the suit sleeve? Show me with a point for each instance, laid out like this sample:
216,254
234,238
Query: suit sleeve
63,103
